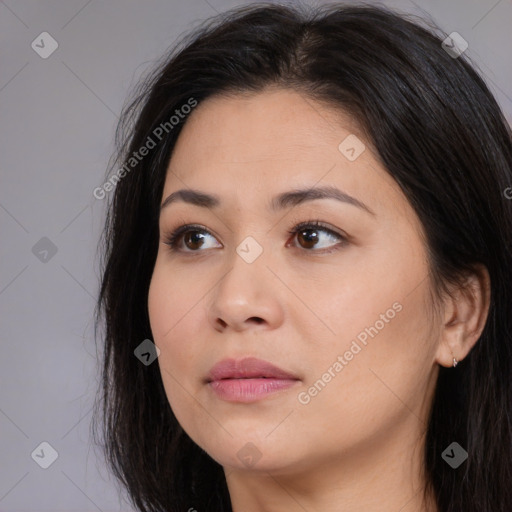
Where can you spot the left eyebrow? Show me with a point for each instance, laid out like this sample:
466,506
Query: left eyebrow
279,202
298,196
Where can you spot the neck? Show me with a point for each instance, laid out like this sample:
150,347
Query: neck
379,478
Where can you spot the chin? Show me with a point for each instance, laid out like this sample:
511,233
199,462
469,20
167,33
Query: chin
254,454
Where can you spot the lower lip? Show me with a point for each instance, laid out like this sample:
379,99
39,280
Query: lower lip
249,390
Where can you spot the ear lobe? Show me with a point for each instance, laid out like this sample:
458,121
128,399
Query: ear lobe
466,312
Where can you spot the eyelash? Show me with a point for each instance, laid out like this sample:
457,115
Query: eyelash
173,238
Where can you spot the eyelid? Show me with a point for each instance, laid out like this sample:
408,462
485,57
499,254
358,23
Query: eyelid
297,226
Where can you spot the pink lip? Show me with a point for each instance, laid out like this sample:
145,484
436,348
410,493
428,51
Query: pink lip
248,380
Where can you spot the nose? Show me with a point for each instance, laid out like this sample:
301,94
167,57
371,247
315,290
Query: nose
245,297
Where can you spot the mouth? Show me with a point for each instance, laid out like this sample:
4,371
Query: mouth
248,380
249,390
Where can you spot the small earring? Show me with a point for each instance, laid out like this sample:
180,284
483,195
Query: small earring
455,362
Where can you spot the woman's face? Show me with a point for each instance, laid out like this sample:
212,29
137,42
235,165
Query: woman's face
342,307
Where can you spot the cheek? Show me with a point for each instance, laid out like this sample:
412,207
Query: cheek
171,316
398,355
161,301
379,383
174,311
380,327
172,302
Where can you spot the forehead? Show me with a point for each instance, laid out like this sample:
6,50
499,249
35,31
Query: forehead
268,124
267,142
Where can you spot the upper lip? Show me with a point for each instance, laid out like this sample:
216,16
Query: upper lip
249,367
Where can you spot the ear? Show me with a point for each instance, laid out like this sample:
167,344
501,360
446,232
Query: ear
465,314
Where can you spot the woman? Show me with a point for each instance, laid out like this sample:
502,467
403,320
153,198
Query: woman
307,275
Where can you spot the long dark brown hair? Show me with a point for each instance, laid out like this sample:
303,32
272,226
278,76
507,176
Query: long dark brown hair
438,131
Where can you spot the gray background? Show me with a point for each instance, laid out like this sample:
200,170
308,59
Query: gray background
58,117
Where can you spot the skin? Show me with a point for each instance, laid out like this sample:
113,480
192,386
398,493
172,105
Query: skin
357,444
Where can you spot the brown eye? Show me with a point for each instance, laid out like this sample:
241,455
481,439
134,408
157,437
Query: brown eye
193,239
309,237
191,236
311,234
